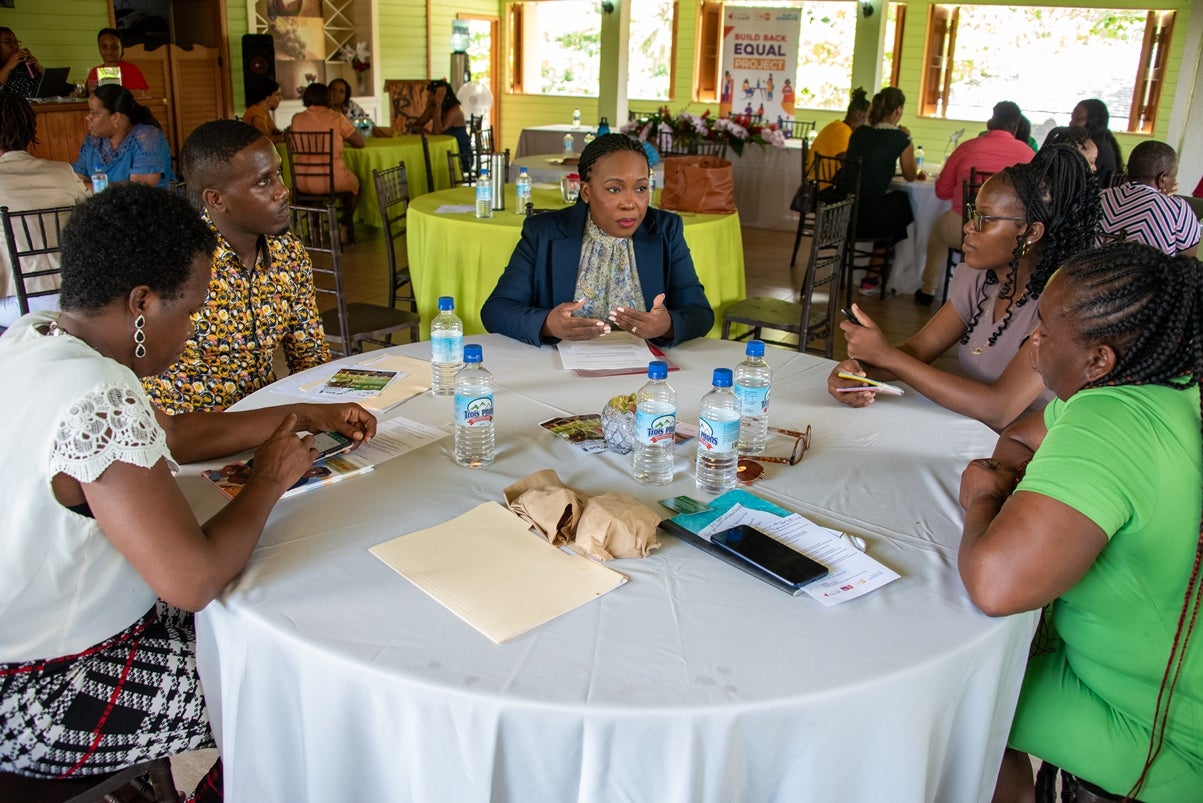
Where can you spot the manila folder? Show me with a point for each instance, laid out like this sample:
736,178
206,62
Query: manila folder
490,570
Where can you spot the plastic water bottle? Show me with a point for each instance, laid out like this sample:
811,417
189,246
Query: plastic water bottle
753,381
568,145
474,446
576,118
522,190
655,427
918,157
484,194
446,348
718,436
651,188
100,180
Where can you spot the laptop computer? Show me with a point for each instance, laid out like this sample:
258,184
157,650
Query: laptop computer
53,83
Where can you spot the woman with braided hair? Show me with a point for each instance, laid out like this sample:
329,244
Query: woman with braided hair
1093,509
607,261
1028,219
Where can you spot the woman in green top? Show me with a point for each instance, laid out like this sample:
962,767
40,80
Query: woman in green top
1102,526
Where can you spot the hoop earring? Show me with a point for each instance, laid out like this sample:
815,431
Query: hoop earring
139,337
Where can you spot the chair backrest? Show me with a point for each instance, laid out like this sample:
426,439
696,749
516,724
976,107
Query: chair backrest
828,256
1104,237
676,144
317,229
969,190
311,154
427,160
823,169
181,189
797,129
31,239
460,175
392,195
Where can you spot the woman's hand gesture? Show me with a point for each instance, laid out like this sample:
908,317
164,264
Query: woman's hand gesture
866,342
563,325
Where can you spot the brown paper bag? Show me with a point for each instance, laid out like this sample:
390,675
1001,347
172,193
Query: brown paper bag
701,184
614,525
544,501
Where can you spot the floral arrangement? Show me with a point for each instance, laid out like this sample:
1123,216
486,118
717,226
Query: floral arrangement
359,57
736,131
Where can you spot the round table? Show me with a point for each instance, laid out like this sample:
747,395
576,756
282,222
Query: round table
452,253
379,153
328,676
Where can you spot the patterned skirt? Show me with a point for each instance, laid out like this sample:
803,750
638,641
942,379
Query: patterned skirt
134,697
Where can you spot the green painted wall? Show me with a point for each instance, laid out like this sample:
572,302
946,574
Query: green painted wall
63,33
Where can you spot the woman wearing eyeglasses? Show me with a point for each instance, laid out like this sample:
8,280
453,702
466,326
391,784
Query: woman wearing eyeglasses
1028,219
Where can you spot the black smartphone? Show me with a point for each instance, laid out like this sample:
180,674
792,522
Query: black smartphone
769,554
848,314
331,443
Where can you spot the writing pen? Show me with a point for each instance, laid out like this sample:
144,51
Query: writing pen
891,390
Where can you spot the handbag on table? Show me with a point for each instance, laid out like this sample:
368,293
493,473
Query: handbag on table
701,184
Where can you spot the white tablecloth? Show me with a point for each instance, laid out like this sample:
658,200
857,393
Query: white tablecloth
911,254
330,677
550,139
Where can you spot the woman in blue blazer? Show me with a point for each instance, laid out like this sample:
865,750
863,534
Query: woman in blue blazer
599,264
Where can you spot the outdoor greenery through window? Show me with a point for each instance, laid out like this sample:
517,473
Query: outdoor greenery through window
560,44
649,56
984,54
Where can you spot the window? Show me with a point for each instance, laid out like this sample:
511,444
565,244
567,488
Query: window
557,47
891,54
652,49
978,55
826,40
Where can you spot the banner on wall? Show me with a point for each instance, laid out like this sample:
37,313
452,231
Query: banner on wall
760,62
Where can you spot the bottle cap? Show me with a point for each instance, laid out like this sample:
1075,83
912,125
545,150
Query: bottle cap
472,353
722,378
446,303
657,370
484,171
755,348
522,171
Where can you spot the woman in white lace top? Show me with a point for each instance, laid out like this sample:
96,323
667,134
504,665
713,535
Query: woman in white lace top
103,556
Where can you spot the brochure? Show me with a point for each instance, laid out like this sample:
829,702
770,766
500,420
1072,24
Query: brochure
582,431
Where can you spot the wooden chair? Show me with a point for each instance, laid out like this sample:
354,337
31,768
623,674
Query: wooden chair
826,269
689,145
347,325
429,164
1105,237
392,194
797,129
32,237
89,789
462,176
969,190
311,154
180,188
821,177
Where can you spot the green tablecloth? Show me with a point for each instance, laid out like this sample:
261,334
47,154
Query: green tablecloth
383,152
454,254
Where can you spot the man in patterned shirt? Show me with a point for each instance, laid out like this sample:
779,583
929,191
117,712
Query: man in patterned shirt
262,291
1146,206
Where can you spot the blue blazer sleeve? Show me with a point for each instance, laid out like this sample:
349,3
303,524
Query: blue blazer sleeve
543,268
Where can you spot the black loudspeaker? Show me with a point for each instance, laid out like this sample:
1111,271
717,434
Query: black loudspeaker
258,60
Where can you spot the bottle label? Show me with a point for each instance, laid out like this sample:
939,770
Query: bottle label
753,401
473,411
654,428
446,348
718,436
